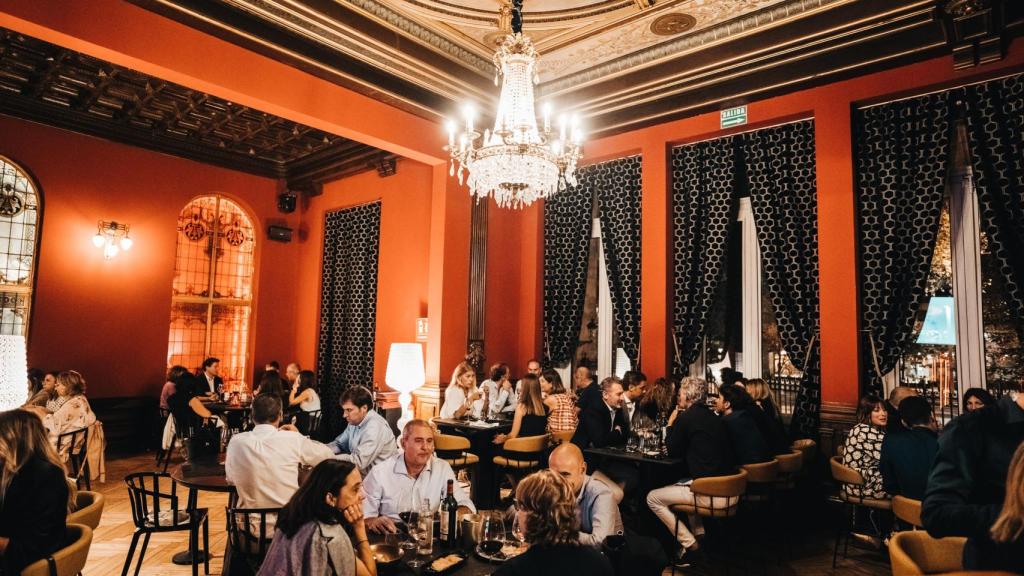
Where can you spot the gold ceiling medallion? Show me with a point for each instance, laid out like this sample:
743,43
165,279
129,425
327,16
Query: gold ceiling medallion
672,24
10,204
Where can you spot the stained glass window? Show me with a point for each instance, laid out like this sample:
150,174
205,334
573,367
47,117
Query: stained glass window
212,288
19,228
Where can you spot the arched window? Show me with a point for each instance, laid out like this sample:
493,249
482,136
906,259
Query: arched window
19,232
211,302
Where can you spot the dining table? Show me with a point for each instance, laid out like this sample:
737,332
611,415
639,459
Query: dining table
480,434
474,565
208,478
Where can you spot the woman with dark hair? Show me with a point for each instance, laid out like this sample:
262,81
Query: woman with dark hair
321,530
33,492
174,375
46,391
976,399
270,383
562,415
303,393
863,447
1004,549
531,416
546,516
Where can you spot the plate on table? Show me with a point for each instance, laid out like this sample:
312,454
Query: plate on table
386,554
445,564
498,551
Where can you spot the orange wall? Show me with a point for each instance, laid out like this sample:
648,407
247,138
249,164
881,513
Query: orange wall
402,273
109,318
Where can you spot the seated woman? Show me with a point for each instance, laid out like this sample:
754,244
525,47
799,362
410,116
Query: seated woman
321,530
531,417
46,391
186,404
977,398
74,412
1004,549
173,376
546,515
659,400
304,399
34,502
461,397
561,406
863,447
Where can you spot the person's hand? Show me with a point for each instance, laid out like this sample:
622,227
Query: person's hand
506,384
474,396
500,439
381,525
288,427
354,516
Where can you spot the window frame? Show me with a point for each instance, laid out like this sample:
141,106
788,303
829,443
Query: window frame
29,288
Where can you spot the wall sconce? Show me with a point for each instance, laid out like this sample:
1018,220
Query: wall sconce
112,237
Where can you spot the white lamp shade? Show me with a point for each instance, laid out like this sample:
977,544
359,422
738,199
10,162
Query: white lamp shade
13,372
405,371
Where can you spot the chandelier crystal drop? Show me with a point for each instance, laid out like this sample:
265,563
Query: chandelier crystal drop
516,161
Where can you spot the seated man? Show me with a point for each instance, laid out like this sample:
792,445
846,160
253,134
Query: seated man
403,481
737,410
702,440
584,387
907,458
264,464
604,424
595,505
892,406
367,439
635,384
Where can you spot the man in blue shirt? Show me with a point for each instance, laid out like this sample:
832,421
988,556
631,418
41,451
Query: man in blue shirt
595,504
367,439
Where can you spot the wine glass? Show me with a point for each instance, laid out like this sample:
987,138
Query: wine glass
410,517
518,531
412,527
492,533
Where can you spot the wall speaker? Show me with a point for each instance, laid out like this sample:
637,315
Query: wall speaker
279,233
286,202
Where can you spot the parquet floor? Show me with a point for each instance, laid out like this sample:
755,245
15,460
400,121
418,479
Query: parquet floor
808,552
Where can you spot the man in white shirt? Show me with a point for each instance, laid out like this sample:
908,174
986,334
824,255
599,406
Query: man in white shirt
264,464
498,390
405,480
367,439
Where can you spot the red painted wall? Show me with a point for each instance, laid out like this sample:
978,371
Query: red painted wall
402,273
109,318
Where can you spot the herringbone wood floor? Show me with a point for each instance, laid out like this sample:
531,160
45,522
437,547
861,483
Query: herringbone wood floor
806,552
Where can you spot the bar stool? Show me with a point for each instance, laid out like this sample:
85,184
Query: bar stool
851,483
908,511
715,497
562,437
453,450
809,448
915,553
761,480
522,456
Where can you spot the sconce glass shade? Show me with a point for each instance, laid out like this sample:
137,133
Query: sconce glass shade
99,240
110,250
126,243
13,372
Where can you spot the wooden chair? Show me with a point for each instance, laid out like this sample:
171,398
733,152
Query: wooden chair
761,480
88,510
154,501
562,437
69,560
75,444
907,510
454,450
250,534
916,553
522,456
716,497
183,433
851,481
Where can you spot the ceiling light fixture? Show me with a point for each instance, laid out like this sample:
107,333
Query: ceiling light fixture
516,162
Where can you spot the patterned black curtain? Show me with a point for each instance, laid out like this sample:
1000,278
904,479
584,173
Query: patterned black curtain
901,151
348,306
781,177
617,184
703,179
567,225
995,126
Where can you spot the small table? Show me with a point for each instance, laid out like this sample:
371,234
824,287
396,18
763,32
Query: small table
210,483
474,565
655,471
640,457
481,443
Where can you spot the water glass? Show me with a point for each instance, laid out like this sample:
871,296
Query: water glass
425,537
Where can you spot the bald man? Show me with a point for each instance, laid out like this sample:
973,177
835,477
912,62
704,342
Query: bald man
595,504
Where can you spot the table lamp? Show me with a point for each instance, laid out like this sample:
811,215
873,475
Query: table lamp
405,373
13,372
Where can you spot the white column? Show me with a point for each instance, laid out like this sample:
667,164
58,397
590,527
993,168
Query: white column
605,319
965,244
750,360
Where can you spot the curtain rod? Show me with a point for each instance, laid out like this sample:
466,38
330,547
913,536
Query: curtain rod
748,131
940,90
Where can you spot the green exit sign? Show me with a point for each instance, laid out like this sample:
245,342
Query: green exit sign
733,117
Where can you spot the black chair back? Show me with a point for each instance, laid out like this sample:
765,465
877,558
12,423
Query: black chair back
76,443
250,532
154,501
308,422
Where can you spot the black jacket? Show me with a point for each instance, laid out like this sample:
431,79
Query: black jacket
906,461
595,427
701,438
968,480
590,396
748,442
33,514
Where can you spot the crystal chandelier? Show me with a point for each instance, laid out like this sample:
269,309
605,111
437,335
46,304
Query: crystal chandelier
516,162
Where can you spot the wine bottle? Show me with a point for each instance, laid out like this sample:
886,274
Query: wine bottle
449,506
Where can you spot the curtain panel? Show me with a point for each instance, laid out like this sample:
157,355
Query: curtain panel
703,180
901,152
617,185
567,226
780,164
995,126
348,307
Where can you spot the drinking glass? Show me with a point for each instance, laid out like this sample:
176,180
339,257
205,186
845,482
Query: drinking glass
492,533
518,532
410,517
424,537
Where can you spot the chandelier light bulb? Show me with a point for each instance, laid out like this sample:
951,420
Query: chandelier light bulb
109,251
126,243
450,127
99,240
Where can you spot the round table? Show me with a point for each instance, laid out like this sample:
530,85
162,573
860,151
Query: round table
209,483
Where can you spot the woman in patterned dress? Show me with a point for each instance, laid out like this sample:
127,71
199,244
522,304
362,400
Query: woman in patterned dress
863,446
561,406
